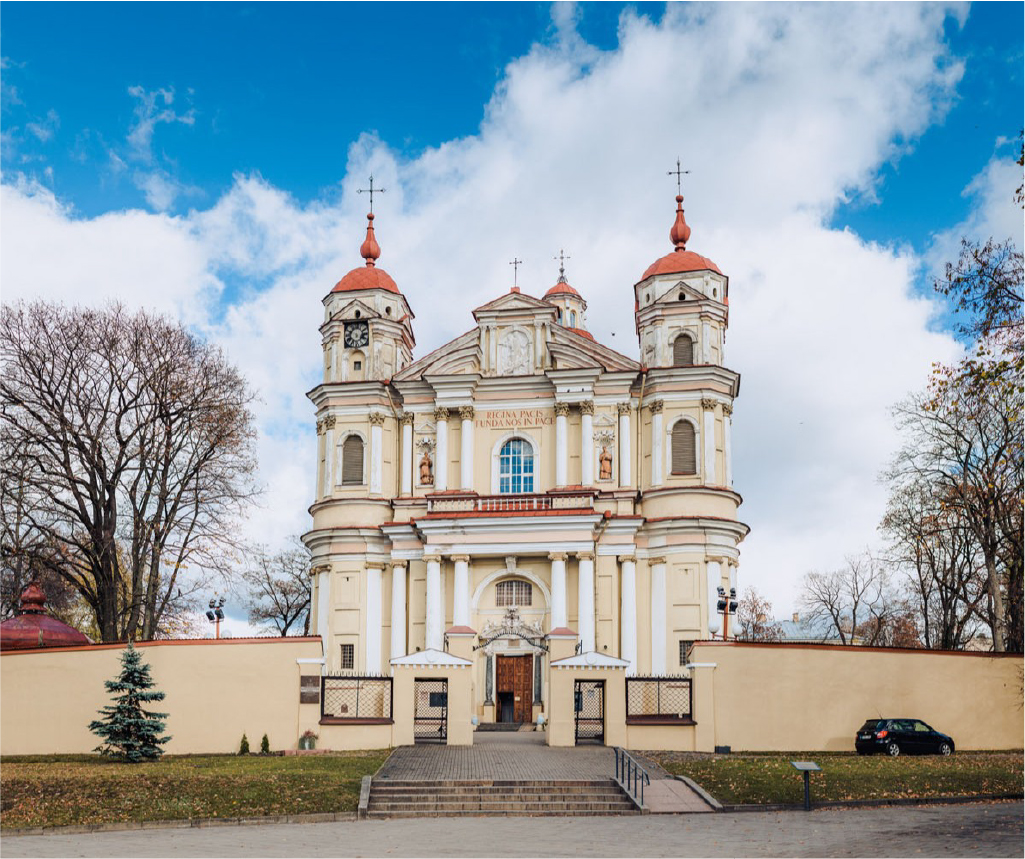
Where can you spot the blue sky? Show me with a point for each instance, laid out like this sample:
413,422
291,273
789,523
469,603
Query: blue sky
203,159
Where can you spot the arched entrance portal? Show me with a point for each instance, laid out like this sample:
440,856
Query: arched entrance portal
513,650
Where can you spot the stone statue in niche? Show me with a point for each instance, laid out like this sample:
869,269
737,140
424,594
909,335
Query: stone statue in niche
605,464
514,354
426,469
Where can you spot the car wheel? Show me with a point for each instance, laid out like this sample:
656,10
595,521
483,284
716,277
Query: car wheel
945,749
892,749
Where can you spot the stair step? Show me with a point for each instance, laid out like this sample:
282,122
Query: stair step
381,815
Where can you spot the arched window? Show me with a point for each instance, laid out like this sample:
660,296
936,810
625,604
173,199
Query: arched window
572,319
684,450
516,467
352,461
513,592
683,351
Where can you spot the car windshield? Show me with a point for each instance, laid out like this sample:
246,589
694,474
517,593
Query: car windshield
871,725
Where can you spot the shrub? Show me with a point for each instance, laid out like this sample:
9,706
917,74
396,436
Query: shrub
265,745
243,747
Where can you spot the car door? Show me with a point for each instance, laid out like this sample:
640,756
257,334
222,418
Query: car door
904,736
926,738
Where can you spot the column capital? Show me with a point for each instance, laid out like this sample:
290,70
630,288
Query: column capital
376,419
656,407
709,404
561,409
375,565
408,417
441,414
321,568
623,408
398,565
716,559
585,556
432,558
556,556
727,409
329,422
457,558
466,413
627,559
587,407
653,562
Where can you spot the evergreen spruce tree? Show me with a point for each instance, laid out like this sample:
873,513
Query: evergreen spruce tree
131,733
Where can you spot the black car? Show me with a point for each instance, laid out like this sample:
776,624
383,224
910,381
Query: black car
901,737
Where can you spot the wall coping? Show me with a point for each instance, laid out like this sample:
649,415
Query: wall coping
853,648
170,642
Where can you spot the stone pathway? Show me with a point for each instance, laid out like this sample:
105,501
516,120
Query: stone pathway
979,829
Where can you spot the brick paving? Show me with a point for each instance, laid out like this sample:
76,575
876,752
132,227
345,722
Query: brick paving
978,829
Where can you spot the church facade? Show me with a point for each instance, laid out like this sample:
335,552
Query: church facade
524,484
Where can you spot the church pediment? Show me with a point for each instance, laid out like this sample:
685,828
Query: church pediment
515,302
356,309
457,357
573,351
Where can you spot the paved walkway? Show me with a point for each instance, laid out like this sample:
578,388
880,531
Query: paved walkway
982,829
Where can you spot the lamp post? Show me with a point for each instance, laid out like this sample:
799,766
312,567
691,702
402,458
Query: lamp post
215,614
727,606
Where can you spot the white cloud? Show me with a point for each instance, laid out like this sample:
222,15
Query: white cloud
779,111
159,186
45,128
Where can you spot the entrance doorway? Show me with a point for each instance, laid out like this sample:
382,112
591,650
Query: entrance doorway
589,707
514,688
430,711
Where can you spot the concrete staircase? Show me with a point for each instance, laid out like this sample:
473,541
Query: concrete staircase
485,798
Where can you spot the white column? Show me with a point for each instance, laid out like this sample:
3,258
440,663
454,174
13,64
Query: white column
559,619
706,343
441,451
709,477
466,449
398,610
433,620
658,615
376,452
624,444
321,453
407,455
656,443
372,650
727,443
585,600
324,604
628,613
332,373
329,453
461,597
561,444
714,576
586,443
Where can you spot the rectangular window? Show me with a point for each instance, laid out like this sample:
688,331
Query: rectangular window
348,656
513,593
685,648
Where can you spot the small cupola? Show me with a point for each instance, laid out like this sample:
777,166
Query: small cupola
569,303
33,627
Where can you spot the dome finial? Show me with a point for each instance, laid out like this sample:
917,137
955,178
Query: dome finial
562,266
370,250
680,233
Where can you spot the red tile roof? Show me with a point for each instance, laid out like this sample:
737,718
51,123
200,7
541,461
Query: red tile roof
368,277
678,262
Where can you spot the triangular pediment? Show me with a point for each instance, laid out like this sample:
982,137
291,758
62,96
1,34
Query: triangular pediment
430,658
348,311
457,357
513,302
590,659
573,351
672,293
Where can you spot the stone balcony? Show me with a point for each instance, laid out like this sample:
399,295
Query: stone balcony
569,500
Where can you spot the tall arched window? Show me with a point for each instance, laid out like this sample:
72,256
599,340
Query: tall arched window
683,351
516,467
572,319
352,461
685,459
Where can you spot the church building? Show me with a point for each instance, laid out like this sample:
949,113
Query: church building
525,483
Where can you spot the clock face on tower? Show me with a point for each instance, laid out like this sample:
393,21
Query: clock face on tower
356,334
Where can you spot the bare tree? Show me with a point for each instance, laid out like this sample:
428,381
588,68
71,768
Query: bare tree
139,440
850,601
279,589
755,620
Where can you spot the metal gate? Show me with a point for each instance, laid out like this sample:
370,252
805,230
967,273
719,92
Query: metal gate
430,713
589,706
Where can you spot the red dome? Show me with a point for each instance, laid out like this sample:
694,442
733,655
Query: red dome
367,277
32,628
678,262
562,288
581,332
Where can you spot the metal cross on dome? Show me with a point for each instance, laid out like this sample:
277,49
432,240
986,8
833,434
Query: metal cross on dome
679,174
516,263
562,258
371,191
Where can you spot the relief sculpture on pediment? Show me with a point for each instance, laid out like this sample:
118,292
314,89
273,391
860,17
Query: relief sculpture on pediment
515,354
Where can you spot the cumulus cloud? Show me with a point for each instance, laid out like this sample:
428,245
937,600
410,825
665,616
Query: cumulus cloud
157,182
780,112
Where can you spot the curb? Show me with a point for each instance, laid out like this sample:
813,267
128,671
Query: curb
700,791
364,797
189,823
877,803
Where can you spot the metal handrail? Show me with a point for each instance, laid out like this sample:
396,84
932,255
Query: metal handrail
630,775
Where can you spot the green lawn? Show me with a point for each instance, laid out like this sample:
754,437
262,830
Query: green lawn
768,778
77,789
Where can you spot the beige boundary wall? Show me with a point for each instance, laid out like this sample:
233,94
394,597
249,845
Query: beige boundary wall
215,691
786,697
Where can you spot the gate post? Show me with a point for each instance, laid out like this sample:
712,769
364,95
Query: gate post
433,665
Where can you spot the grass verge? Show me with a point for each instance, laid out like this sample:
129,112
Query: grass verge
78,789
740,779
